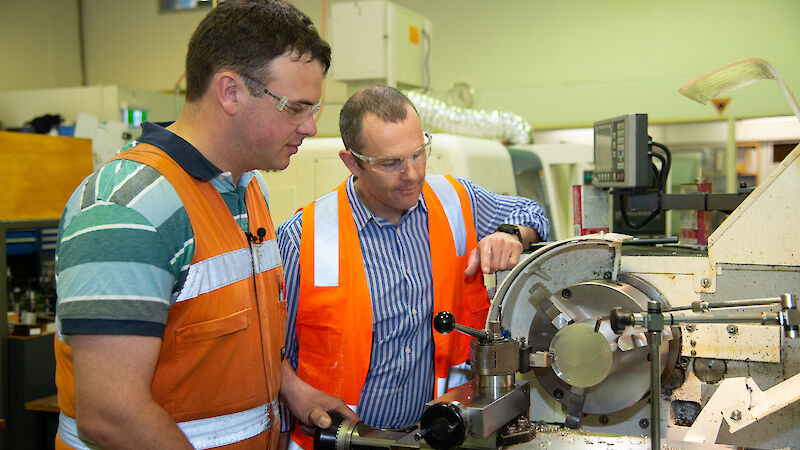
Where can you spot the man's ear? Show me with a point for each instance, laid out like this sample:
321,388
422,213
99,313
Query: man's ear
351,162
229,91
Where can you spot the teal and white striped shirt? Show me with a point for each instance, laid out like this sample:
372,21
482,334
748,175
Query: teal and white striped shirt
125,241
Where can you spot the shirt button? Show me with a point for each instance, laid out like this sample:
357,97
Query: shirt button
408,271
400,390
414,311
408,349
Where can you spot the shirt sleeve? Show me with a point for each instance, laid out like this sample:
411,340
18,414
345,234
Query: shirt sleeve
116,265
489,210
288,237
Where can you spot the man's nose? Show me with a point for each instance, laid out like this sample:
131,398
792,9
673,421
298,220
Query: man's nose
307,127
411,170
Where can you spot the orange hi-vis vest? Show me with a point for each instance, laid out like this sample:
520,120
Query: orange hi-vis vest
334,316
219,369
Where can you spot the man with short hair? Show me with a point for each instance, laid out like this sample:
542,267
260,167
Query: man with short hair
369,264
171,305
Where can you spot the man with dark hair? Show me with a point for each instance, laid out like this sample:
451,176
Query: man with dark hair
171,305
369,264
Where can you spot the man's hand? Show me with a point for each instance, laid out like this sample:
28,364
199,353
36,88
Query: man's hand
310,405
499,251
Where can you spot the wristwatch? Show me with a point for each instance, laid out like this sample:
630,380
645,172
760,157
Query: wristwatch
510,229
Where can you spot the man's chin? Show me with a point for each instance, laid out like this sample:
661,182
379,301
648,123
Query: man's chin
410,199
278,165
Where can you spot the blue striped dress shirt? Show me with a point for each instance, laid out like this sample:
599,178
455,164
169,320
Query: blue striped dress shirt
397,263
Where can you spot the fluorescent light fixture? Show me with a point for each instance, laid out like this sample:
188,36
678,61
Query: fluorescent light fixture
733,76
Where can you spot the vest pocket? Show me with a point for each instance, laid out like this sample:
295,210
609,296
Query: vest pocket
322,364
477,303
477,299
214,370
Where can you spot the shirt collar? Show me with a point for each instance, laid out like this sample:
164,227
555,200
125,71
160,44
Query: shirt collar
182,152
362,215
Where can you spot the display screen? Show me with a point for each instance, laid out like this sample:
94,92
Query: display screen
602,148
620,152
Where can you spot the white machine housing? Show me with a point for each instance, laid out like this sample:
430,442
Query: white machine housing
389,47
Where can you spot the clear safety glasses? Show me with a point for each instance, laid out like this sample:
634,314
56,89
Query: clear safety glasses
394,165
296,112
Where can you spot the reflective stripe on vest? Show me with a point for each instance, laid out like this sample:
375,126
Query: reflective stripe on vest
326,241
448,196
202,433
326,229
228,268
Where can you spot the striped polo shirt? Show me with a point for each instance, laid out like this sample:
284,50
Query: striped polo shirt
397,263
125,241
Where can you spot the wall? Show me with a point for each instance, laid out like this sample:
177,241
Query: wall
558,64
581,61
104,102
19,107
41,45
132,43
554,63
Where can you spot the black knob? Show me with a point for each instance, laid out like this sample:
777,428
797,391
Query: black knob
325,439
619,320
444,322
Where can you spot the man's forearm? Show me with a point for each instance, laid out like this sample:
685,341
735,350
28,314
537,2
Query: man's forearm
308,404
293,389
529,236
134,427
114,403
288,379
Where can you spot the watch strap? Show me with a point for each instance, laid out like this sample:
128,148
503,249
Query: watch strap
510,229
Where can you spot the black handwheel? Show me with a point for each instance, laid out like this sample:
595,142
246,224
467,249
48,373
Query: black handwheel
442,426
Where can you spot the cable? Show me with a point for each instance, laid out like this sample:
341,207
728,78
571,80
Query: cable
426,61
668,156
661,176
623,209
661,183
